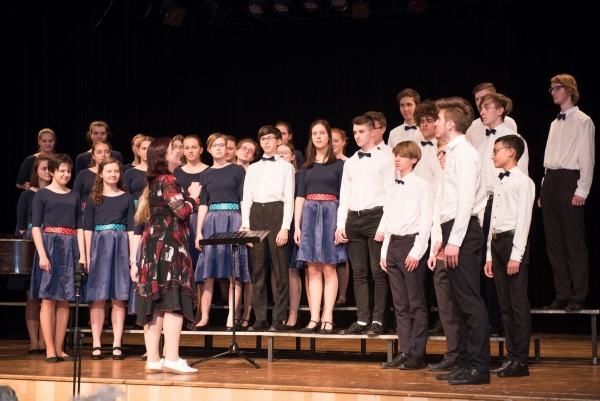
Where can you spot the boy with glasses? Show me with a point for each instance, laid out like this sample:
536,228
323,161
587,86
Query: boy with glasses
380,127
246,152
268,205
569,164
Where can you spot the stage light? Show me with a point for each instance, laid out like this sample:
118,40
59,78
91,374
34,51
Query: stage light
283,7
339,5
312,6
256,8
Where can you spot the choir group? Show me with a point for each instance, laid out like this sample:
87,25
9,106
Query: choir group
446,193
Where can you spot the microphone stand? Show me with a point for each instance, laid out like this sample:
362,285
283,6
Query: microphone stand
78,335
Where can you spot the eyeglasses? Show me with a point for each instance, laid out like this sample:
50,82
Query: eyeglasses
441,153
218,145
555,88
496,150
247,149
268,138
283,153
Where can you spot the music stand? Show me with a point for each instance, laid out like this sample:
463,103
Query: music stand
234,239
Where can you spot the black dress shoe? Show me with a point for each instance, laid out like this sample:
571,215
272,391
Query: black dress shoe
277,326
355,328
376,329
456,372
142,358
505,364
516,369
52,359
229,328
413,363
96,357
118,357
575,305
259,325
309,330
397,361
240,325
290,328
472,377
445,364
33,351
496,331
325,330
66,358
436,330
557,304
201,328
339,304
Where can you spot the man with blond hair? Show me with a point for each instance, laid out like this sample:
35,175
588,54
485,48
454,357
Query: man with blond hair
569,165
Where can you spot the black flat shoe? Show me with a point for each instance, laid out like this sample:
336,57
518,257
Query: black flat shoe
118,357
142,358
33,351
575,306
97,357
397,361
443,365
290,328
229,328
471,377
324,330
505,364
240,325
309,330
557,304
339,304
259,325
52,359
376,329
355,328
201,328
456,372
66,358
413,363
515,370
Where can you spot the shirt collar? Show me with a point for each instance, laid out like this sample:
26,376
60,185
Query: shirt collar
275,155
499,129
368,151
453,143
408,177
571,110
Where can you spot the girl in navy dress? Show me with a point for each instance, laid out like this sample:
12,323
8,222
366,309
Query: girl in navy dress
135,145
177,143
59,245
46,141
40,178
316,208
339,142
108,231
166,282
222,191
98,131
85,179
287,152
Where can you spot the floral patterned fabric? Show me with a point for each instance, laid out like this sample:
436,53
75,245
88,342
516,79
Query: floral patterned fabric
166,274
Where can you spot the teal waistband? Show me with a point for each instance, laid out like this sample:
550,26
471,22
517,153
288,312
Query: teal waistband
102,227
30,226
135,201
224,206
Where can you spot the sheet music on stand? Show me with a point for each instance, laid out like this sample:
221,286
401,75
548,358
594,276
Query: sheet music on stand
235,237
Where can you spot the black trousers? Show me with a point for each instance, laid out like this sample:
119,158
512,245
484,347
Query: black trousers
269,216
408,293
488,289
448,310
564,227
365,254
474,346
514,304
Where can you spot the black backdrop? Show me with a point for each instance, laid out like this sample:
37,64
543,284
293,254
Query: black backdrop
143,76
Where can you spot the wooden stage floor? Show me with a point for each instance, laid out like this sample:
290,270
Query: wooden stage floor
564,374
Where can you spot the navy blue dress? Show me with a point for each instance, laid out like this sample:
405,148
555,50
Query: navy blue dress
108,276
185,180
319,217
25,170
222,191
84,182
84,159
56,210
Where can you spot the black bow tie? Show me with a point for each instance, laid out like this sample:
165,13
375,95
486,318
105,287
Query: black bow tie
561,116
269,159
399,182
406,128
363,154
425,143
502,175
489,132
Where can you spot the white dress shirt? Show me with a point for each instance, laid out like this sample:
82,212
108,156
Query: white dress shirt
269,181
366,183
490,173
476,132
511,210
429,167
401,134
409,212
570,146
462,193
386,149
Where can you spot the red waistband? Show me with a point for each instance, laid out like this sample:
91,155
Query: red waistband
82,203
60,230
325,197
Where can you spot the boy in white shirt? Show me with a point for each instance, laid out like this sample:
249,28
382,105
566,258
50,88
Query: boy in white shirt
408,100
268,205
507,257
407,220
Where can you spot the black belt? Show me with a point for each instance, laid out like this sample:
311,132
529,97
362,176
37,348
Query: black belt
505,234
395,237
268,203
365,212
451,222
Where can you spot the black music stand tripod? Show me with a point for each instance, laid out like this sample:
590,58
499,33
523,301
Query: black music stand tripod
234,239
